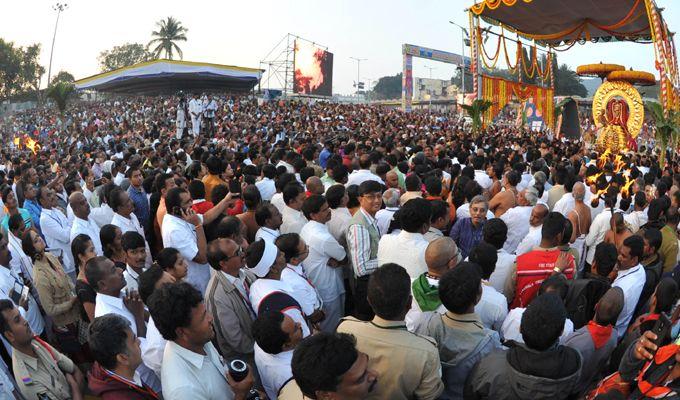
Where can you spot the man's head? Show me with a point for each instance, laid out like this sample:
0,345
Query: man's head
609,307
16,225
151,280
579,191
328,366
134,174
478,208
605,259
265,260
653,239
538,214
104,276
392,180
631,252
440,214
268,216
441,255
113,343
461,288
276,332
120,202
315,208
553,229
135,249
665,296
79,205
293,247
225,255
314,185
13,326
389,292
495,232
370,196
336,196
415,215
178,311
251,197
391,198
47,197
294,195
178,201
543,321
485,256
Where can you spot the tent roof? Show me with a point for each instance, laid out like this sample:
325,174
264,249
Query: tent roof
556,21
167,76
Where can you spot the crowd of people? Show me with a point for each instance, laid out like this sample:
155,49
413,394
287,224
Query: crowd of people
224,247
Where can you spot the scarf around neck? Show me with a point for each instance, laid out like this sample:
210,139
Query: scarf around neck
599,333
426,295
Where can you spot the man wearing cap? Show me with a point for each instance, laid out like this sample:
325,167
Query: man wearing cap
269,293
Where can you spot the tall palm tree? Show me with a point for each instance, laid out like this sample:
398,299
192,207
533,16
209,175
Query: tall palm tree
60,93
169,31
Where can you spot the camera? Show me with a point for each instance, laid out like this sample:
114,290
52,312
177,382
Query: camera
238,369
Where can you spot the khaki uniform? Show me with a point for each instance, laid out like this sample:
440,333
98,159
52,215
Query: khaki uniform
407,364
44,374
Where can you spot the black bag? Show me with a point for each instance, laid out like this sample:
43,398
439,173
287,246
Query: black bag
582,296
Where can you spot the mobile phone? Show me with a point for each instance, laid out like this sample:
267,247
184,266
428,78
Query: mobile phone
662,329
16,292
98,182
177,210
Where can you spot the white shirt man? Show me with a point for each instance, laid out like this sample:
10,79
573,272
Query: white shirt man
10,281
338,224
105,304
57,231
102,215
565,204
359,176
406,249
503,270
631,281
510,327
326,279
293,220
277,201
20,262
195,110
492,307
131,278
598,229
636,219
87,227
189,375
275,370
267,234
517,220
531,240
267,188
296,277
181,235
383,218
483,179
152,352
132,224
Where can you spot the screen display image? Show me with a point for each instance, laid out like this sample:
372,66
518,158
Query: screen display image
313,69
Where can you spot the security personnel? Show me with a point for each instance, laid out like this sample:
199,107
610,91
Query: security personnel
41,371
408,364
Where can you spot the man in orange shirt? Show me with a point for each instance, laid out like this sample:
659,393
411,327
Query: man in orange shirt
213,179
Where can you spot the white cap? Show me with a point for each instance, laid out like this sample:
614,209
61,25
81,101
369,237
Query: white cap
268,258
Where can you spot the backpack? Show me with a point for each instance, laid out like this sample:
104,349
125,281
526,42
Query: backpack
581,298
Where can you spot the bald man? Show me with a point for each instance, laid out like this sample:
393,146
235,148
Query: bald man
392,180
533,238
82,222
314,185
580,220
596,340
441,255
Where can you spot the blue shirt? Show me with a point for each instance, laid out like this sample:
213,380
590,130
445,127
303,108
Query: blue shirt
141,203
323,157
24,214
34,210
466,235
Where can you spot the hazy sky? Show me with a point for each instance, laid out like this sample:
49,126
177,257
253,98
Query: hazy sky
243,32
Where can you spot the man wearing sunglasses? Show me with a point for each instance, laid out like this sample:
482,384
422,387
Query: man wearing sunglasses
227,300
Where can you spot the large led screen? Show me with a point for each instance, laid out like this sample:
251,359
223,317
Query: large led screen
313,69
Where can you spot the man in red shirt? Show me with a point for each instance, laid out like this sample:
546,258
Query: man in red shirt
533,267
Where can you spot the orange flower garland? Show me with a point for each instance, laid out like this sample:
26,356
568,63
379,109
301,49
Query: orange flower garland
633,77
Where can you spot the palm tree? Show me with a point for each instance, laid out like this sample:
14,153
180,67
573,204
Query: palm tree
667,128
169,31
60,93
475,111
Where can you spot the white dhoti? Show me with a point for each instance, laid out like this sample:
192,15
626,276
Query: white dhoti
196,125
580,246
334,310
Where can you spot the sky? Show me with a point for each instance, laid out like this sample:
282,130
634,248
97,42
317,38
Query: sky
242,33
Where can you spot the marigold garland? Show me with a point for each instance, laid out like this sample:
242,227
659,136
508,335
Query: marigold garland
633,77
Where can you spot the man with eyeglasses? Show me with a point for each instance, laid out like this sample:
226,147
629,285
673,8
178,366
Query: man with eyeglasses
227,300
363,237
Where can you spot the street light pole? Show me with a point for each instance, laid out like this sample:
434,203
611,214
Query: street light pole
462,42
59,7
358,60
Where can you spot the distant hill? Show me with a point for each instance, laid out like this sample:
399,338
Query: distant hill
593,83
